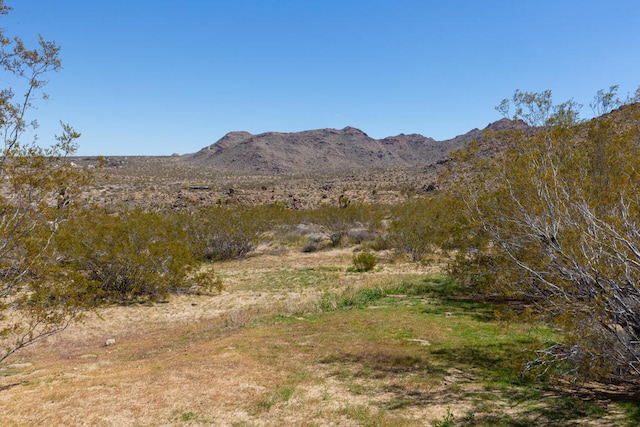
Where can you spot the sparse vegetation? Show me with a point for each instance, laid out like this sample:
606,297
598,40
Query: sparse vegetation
543,279
364,261
395,349
338,222
448,420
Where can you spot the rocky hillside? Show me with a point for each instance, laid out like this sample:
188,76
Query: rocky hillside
325,150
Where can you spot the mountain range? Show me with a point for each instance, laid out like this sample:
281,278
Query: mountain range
328,150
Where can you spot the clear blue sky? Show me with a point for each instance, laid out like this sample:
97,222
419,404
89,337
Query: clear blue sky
154,77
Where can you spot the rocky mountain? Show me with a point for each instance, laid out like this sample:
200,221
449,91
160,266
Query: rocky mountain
326,150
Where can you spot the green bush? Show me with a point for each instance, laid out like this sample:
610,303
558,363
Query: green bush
129,255
222,233
422,226
557,214
364,261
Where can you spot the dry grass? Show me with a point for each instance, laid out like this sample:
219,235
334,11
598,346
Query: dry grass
262,353
187,360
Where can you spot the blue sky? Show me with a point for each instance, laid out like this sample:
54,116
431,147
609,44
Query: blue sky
145,77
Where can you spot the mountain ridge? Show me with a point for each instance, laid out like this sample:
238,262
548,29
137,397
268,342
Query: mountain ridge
327,150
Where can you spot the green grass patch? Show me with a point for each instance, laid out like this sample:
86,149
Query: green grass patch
431,285
281,394
427,335
408,293
190,418
632,411
352,298
423,343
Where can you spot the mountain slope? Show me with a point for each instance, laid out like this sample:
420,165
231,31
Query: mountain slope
324,150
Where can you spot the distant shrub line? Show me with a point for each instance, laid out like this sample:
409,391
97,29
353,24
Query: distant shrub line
131,254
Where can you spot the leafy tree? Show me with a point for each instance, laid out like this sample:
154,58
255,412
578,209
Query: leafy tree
560,212
37,189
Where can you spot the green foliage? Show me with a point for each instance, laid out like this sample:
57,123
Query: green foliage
222,233
129,255
558,213
282,394
411,230
352,298
433,286
364,261
436,285
38,187
422,226
448,419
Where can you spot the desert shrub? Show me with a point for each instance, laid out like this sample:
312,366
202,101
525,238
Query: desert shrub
128,255
311,246
560,208
222,233
278,214
358,236
410,231
338,222
38,192
380,243
422,226
364,261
